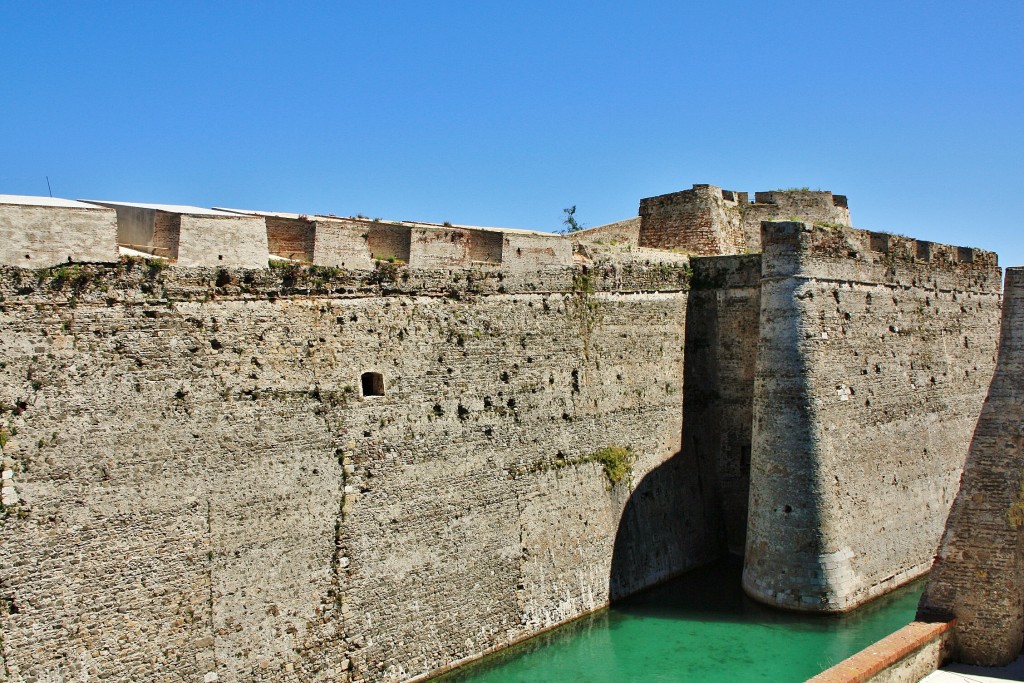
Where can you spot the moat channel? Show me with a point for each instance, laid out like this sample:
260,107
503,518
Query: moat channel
699,627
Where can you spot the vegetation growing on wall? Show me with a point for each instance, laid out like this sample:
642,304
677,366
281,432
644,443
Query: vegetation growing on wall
584,308
616,463
1015,514
570,222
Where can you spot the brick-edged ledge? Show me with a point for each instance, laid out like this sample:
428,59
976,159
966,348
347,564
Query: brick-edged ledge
888,651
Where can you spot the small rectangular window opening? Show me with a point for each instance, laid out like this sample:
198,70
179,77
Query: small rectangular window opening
373,384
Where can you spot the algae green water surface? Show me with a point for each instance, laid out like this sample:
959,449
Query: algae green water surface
699,627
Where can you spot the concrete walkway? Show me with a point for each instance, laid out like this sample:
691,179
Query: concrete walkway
964,673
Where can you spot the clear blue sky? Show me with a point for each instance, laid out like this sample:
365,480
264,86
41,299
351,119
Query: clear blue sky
504,113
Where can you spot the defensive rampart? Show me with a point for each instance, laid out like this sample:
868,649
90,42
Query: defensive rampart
39,232
190,235
709,221
398,446
875,353
979,570
200,480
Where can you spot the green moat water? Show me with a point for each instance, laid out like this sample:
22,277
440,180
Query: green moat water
699,627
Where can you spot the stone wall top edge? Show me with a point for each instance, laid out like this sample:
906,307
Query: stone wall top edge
733,271
851,243
57,205
138,280
176,209
598,231
762,198
412,225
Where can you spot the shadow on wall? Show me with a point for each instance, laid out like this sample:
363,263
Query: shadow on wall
693,507
665,529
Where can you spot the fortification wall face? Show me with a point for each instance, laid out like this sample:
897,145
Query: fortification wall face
455,248
235,242
388,241
166,233
721,349
696,220
135,227
783,205
709,221
196,484
44,236
291,238
620,232
439,248
342,244
534,253
870,372
979,569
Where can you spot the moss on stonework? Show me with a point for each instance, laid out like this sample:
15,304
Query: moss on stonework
616,462
1015,514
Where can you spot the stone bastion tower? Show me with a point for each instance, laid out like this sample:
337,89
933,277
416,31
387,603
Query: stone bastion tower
874,355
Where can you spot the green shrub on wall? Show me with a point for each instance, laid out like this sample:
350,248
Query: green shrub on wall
617,462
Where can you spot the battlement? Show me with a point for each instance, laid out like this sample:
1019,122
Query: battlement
191,235
40,232
843,252
800,197
709,221
864,336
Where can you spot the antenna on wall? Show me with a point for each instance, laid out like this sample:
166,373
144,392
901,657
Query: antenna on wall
48,186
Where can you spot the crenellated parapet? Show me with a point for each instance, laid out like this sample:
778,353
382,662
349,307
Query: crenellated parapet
845,253
40,232
709,221
697,221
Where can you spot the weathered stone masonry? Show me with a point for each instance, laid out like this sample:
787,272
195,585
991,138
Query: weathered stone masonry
978,577
709,221
197,486
721,350
49,232
872,366
201,487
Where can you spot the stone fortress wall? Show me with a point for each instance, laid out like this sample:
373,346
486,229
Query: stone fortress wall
979,570
405,445
874,357
708,221
39,232
722,316
199,482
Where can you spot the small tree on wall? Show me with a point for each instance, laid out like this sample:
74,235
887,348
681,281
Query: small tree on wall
570,223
